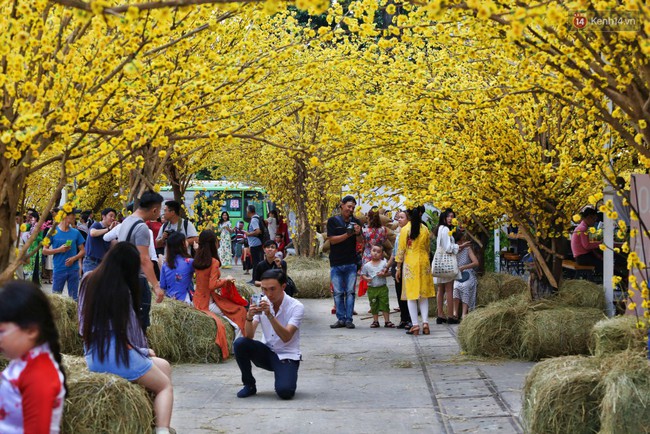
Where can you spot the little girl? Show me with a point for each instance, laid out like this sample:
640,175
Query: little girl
177,271
32,387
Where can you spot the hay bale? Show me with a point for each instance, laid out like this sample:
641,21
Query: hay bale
616,334
498,286
74,365
105,403
181,334
312,283
557,332
3,363
300,263
625,407
581,293
494,331
562,395
64,310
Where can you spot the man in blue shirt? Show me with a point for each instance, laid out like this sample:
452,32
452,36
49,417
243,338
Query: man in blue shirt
67,246
96,247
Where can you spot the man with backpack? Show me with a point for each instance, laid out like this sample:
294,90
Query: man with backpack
257,232
135,231
175,223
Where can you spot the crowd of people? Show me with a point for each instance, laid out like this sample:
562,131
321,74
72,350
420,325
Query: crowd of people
111,267
358,253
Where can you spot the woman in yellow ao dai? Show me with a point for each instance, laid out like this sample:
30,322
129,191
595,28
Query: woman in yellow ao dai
417,281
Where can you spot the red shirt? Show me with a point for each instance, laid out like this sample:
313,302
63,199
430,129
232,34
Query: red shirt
155,227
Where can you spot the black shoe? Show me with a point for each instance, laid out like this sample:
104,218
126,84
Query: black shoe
247,391
337,325
401,325
440,320
349,325
452,321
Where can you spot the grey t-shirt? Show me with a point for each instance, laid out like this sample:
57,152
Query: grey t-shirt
180,227
254,241
140,235
370,270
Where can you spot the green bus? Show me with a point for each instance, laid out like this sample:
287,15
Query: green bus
232,197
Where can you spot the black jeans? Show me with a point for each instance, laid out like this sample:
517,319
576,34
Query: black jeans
257,255
286,370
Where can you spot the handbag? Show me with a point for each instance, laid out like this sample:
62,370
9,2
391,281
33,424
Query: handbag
444,264
464,276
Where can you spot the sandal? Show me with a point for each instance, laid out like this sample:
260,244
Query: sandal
415,330
389,325
374,324
425,328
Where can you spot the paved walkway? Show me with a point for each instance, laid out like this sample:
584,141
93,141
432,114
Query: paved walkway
358,381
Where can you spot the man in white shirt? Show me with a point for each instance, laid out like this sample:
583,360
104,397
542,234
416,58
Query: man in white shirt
279,351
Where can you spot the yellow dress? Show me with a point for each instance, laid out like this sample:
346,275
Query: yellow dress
416,270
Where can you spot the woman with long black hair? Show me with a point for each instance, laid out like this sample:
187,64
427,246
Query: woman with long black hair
113,339
413,267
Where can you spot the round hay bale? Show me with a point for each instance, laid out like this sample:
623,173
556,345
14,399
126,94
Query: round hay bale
494,331
562,395
105,403
312,283
581,293
181,334
64,310
625,408
616,334
557,332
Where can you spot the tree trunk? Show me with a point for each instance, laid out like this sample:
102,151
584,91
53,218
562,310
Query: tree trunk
304,238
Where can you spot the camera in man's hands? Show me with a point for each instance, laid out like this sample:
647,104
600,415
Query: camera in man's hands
349,229
169,231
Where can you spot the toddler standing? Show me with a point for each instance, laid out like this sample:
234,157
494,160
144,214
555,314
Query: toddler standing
374,272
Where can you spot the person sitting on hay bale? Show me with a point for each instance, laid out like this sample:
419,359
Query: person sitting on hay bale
32,387
585,251
111,333
177,271
280,316
211,291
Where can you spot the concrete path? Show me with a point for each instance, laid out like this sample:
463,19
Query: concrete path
358,381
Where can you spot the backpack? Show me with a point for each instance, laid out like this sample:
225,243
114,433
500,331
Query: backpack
185,223
264,236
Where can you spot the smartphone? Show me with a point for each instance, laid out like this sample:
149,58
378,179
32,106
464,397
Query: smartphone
278,255
255,299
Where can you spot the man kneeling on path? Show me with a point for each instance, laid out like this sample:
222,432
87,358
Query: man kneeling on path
279,351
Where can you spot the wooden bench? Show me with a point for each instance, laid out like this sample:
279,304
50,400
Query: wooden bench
579,271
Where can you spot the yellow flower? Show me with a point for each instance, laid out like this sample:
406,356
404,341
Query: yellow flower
23,227
576,218
67,208
46,242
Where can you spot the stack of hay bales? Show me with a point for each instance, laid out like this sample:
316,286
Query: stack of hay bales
575,394
103,403
498,286
64,310
181,334
311,276
520,328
